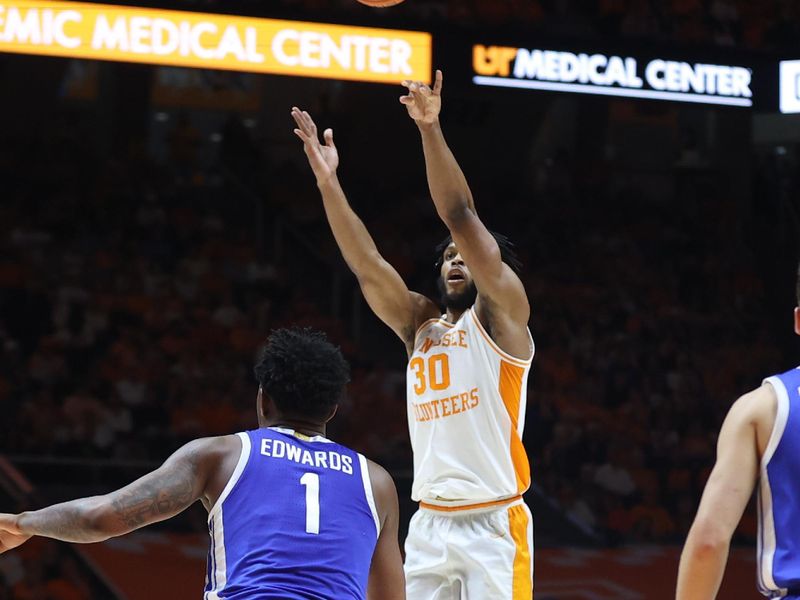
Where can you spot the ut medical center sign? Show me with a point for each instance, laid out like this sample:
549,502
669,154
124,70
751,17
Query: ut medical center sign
609,74
212,41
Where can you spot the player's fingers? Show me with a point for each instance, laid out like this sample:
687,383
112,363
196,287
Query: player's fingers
406,83
406,100
301,121
299,133
328,135
309,142
300,118
419,100
311,125
437,84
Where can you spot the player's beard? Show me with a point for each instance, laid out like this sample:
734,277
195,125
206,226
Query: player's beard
457,300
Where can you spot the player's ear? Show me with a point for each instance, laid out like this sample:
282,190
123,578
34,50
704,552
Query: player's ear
264,407
332,413
797,320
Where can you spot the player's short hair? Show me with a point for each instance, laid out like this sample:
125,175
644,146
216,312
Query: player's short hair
507,252
302,372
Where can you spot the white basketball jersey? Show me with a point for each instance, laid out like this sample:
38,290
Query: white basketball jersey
466,411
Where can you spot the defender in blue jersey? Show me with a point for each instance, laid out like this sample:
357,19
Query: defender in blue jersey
759,445
292,515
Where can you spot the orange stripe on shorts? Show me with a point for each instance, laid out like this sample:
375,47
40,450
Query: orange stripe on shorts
523,577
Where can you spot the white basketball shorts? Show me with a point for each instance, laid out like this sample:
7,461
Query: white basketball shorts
473,553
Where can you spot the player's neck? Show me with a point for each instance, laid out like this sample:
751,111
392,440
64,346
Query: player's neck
304,427
453,315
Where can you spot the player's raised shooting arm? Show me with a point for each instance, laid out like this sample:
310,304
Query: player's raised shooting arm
725,497
157,496
452,197
384,289
386,577
448,185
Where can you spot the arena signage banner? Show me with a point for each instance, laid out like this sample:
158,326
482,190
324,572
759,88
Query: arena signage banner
209,41
612,75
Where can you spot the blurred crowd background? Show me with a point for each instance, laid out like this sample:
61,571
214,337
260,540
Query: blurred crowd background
139,273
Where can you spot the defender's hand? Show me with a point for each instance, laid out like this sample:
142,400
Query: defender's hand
324,159
423,103
10,535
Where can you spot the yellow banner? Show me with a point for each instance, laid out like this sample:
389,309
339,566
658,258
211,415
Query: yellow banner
208,41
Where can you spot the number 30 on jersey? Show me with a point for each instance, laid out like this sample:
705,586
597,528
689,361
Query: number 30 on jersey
431,374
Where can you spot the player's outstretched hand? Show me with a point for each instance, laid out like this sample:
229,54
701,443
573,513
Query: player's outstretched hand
423,103
324,159
10,536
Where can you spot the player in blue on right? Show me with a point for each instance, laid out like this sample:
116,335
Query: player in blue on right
759,444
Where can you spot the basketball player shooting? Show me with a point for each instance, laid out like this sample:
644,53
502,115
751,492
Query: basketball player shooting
466,375
758,447
291,514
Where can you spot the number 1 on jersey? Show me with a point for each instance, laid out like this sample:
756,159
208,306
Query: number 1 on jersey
311,483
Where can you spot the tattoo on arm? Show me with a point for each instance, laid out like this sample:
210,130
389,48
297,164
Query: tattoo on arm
154,497
148,502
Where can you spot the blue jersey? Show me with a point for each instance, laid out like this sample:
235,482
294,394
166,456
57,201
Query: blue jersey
779,494
297,520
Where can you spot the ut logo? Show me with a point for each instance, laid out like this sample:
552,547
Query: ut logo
493,60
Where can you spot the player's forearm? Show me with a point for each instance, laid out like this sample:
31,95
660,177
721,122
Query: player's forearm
701,569
448,185
354,241
73,521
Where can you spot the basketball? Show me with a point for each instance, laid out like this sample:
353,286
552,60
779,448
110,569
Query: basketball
380,3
